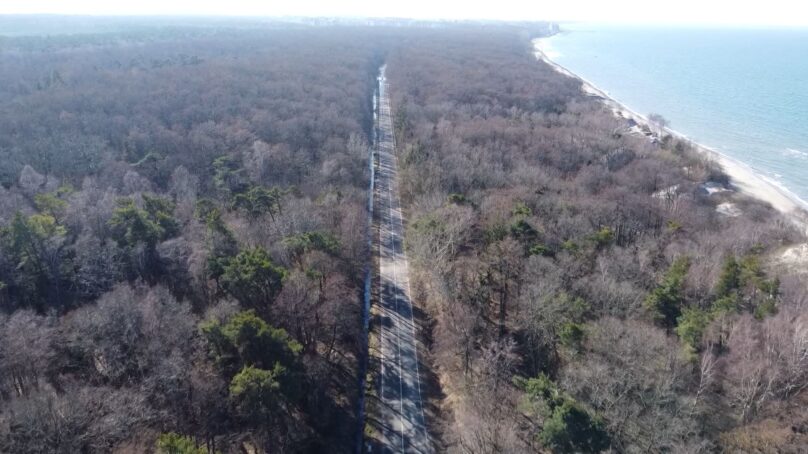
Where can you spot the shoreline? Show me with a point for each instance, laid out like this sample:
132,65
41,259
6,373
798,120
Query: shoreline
743,178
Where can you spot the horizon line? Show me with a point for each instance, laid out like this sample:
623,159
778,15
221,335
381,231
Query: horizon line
560,22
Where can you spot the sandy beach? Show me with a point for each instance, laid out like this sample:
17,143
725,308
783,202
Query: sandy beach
743,177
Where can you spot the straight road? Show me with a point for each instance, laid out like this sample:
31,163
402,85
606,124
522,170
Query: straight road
402,412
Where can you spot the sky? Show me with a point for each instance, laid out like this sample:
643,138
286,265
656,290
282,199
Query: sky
716,12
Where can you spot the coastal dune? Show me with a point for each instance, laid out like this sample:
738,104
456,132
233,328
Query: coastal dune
742,177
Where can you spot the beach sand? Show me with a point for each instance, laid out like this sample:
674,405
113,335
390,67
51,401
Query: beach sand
743,177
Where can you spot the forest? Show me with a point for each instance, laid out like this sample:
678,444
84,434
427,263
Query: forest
183,221
182,243
584,293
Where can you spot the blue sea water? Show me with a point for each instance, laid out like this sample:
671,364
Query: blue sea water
743,92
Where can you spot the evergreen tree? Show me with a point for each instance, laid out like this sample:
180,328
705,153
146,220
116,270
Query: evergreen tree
665,301
252,278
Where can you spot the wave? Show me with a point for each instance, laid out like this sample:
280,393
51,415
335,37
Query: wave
785,190
794,153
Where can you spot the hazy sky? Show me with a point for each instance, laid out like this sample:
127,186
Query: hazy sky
725,12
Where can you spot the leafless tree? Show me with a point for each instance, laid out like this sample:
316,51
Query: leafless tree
26,352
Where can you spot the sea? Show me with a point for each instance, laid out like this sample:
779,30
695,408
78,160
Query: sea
740,91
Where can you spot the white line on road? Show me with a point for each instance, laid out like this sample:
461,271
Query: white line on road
393,272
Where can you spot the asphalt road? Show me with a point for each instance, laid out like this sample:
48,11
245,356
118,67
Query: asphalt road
402,412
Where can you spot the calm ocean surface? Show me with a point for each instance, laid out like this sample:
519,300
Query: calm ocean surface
741,92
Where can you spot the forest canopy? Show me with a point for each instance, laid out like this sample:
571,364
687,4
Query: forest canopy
180,237
183,248
584,292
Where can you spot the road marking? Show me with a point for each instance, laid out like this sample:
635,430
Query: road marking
392,253
392,248
409,291
392,257
381,287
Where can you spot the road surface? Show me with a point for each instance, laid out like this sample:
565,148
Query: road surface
403,427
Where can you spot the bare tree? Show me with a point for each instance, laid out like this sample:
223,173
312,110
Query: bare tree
26,352
766,360
635,376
